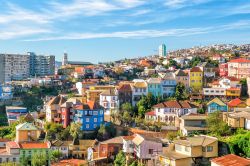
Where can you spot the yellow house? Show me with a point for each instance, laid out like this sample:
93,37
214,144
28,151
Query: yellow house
233,92
27,132
196,79
186,151
93,95
237,119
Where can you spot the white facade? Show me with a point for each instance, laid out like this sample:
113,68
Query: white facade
214,91
109,101
63,149
14,67
128,146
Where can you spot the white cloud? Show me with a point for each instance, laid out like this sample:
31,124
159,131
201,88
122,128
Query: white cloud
150,33
183,3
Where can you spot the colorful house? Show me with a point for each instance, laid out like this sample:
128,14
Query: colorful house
236,103
125,93
29,149
139,88
14,112
237,119
109,100
223,70
110,148
196,79
216,105
239,68
146,147
168,84
154,86
26,132
187,151
182,77
233,92
89,115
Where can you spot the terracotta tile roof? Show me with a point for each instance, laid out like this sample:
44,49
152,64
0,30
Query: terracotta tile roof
4,139
116,140
234,89
180,72
231,160
151,113
234,102
195,69
124,87
239,60
128,137
57,100
233,78
92,105
34,145
13,145
174,104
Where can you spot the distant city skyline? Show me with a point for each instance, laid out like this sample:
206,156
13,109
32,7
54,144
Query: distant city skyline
101,30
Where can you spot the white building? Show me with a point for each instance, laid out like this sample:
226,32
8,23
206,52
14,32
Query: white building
14,67
109,100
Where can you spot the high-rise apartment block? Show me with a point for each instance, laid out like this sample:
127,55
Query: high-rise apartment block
21,66
162,50
41,65
13,67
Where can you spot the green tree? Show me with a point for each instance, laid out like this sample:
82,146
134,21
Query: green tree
216,125
180,92
55,156
127,107
24,161
106,131
39,159
126,118
120,159
75,130
52,130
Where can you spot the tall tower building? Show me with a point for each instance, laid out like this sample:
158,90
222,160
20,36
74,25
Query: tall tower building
65,59
162,50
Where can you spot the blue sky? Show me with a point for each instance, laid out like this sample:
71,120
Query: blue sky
105,30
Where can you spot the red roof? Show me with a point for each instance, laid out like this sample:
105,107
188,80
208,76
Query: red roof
240,60
234,102
34,145
233,78
231,160
234,89
12,145
195,69
128,137
151,113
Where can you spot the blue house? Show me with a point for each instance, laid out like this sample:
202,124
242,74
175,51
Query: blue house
154,86
89,115
168,84
216,105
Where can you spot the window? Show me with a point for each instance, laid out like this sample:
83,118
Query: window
87,119
209,148
101,112
150,151
87,126
187,149
14,159
95,119
101,120
0,160
95,125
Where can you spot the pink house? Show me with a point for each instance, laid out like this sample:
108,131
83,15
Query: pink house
146,148
223,69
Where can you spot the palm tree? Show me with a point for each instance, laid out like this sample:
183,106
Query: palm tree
75,130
